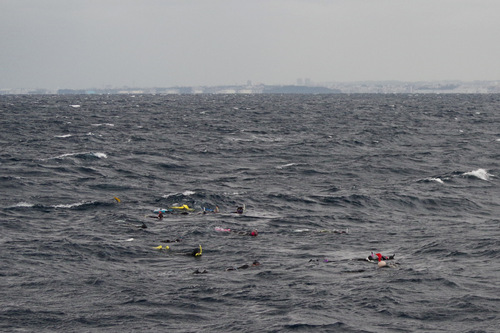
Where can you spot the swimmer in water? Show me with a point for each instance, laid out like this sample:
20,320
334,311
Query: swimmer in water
245,266
200,272
239,210
208,210
252,233
159,216
177,240
379,256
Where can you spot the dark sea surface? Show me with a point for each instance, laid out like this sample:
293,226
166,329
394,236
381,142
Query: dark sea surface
411,175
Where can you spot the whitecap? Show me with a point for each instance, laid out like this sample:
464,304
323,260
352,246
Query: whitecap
63,136
105,124
62,156
75,106
23,204
286,165
479,173
65,155
185,193
100,155
439,180
71,205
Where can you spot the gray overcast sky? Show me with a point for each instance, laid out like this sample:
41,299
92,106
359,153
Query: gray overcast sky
162,43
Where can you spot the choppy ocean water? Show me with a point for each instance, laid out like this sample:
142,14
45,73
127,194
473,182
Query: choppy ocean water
411,175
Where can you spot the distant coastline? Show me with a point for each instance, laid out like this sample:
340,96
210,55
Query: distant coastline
363,87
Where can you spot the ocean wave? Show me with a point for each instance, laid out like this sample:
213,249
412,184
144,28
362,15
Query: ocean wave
479,173
183,194
383,175
80,205
104,124
286,165
356,200
73,205
81,155
433,179
24,204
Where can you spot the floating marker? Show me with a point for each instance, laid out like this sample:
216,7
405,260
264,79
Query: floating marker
186,207
199,253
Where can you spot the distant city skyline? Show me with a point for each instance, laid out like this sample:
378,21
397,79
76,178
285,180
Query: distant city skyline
375,87
60,44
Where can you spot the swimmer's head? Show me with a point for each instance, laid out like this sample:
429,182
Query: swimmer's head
254,233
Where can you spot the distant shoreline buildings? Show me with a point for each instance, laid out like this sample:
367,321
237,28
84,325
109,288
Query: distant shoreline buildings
367,87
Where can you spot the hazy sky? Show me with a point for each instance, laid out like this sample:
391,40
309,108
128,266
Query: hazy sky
163,43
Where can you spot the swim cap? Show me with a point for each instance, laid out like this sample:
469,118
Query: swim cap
254,233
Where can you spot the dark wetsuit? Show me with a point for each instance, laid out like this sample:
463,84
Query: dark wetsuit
245,266
375,257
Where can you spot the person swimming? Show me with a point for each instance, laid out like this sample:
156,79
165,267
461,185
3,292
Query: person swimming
239,210
177,240
159,216
198,271
142,226
245,266
379,256
208,210
252,233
